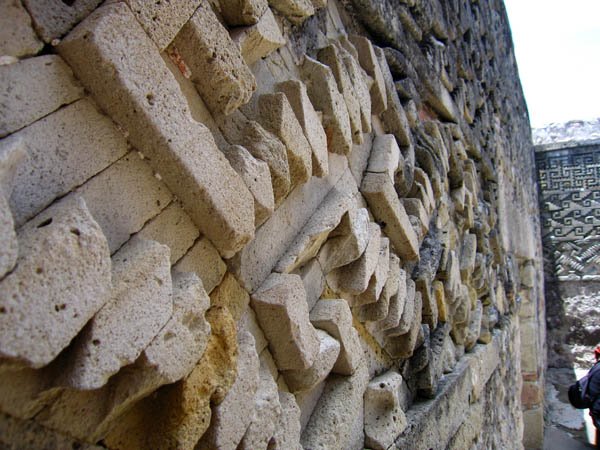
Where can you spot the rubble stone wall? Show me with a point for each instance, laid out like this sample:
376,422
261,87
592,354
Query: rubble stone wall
242,224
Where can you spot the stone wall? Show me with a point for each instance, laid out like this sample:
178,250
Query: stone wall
241,224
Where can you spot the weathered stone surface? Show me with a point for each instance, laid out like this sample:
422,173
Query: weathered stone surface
340,408
122,215
242,12
404,345
313,280
307,400
347,242
54,19
173,228
216,65
379,277
231,295
308,118
8,238
397,300
64,149
467,256
17,37
379,309
385,206
162,20
354,278
296,11
302,380
430,310
181,150
261,39
408,312
287,434
324,95
335,317
282,311
385,156
278,117
231,418
368,61
474,326
437,291
62,278
249,323
331,56
123,328
414,207
33,88
384,418
204,260
177,415
257,177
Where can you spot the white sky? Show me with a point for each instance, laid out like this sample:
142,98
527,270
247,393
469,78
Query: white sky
557,44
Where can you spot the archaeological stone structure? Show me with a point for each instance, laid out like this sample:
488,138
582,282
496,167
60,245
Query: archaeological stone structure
267,224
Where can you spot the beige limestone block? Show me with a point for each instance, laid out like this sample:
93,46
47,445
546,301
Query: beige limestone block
423,179
140,305
403,346
347,242
386,207
430,309
163,20
324,94
13,153
230,419
437,290
335,419
359,86
249,323
259,40
308,118
257,177
231,295
451,277
9,245
217,68
287,434
171,355
306,379
379,277
385,155
408,312
33,88
384,418
181,150
307,400
397,300
313,280
54,18
377,311
243,12
354,278
62,278
467,256
204,260
394,117
177,415
335,317
368,61
331,56
64,149
173,228
278,117
123,198
296,11
414,207
17,37
267,408
282,312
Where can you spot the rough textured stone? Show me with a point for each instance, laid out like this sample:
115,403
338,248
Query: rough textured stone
414,207
62,278
384,418
173,228
243,12
177,415
122,329
313,280
306,379
404,345
162,20
408,312
368,61
296,11
33,88
257,177
231,418
378,279
297,95
358,78
385,206
335,317
64,149
307,400
337,413
282,311
259,40
379,310
17,37
397,300
287,435
231,295
181,150
385,156
324,95
204,260
215,62
278,117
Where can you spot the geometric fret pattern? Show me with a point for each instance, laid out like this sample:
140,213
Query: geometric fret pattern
569,181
